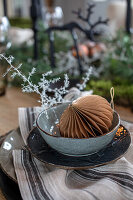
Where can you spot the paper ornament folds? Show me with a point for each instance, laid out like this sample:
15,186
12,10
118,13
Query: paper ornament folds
88,116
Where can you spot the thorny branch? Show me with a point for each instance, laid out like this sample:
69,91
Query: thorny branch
87,18
43,86
85,79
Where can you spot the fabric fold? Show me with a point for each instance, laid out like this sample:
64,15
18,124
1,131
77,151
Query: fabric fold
27,120
38,181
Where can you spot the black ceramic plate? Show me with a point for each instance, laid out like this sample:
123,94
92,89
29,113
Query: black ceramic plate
43,152
9,188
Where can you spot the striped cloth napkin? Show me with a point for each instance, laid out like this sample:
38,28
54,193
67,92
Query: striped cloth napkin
44,182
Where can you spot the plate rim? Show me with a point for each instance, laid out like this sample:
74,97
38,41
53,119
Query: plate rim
12,184
75,168
9,176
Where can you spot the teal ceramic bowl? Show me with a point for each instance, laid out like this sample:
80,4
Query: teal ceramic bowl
47,123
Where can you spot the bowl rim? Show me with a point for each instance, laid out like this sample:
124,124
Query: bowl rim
37,125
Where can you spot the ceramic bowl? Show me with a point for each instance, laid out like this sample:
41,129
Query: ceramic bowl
47,123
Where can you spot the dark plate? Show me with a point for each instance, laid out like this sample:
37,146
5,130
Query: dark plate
43,152
9,188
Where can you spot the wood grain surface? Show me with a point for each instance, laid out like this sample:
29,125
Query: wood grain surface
9,104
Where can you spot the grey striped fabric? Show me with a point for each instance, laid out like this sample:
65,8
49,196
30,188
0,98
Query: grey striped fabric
42,182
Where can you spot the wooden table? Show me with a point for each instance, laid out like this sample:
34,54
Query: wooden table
9,104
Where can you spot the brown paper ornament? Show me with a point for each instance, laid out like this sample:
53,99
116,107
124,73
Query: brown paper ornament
88,116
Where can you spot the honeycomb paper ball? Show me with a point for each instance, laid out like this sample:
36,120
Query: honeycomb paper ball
88,116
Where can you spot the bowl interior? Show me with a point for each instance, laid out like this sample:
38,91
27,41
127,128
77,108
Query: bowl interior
48,121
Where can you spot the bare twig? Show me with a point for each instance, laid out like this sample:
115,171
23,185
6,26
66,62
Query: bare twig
98,22
90,12
87,18
78,13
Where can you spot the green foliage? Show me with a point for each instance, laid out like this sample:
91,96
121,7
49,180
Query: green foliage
118,60
117,70
123,91
62,40
21,22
